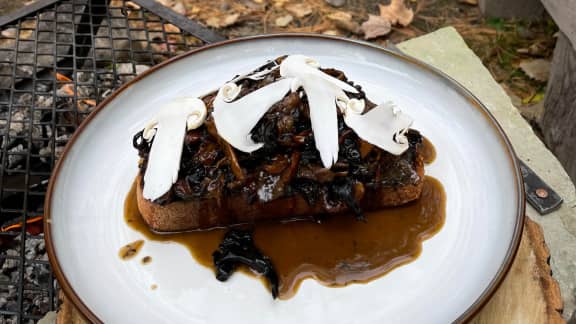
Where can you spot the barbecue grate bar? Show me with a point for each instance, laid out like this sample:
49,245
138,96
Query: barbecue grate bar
58,60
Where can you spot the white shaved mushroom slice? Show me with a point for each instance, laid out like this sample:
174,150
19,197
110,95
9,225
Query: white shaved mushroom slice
324,93
383,126
235,120
323,117
171,123
258,75
300,66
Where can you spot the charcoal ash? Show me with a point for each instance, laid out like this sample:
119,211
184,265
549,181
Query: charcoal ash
128,71
45,152
9,319
36,276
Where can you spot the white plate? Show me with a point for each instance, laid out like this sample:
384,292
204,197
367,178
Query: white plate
456,273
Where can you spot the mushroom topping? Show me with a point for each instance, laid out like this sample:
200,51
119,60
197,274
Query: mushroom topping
383,126
168,130
234,119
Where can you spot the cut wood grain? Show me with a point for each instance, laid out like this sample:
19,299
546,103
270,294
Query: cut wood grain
528,295
559,118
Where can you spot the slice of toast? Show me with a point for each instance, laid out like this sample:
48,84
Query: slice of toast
219,186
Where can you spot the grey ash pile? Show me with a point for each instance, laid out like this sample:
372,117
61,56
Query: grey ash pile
34,274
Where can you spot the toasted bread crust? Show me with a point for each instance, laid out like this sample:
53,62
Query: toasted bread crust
203,214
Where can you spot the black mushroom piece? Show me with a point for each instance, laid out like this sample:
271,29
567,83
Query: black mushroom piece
238,247
343,189
141,144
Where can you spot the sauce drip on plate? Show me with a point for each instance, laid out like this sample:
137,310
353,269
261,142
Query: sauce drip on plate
336,252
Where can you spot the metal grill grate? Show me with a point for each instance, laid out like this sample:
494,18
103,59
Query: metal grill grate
58,60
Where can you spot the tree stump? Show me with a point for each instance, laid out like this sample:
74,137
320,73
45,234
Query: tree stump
559,118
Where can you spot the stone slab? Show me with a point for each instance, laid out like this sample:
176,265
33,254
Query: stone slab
446,50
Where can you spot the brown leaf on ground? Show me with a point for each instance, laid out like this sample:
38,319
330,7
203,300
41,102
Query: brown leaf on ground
169,28
280,3
283,21
397,13
166,3
222,21
178,7
343,20
332,32
299,10
537,69
375,26
469,2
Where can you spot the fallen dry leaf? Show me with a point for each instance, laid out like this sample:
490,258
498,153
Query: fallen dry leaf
343,20
397,13
375,26
331,32
537,69
299,9
283,21
222,21
165,3
132,5
194,10
178,7
280,3
169,28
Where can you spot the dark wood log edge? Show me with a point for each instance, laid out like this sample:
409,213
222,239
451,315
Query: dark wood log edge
560,106
550,287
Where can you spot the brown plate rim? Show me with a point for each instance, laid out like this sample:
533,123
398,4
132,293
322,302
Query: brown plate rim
472,309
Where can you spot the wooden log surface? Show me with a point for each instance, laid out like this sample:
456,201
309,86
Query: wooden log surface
559,118
528,295
564,14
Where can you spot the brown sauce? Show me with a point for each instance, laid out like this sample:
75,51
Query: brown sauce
130,250
337,252
428,151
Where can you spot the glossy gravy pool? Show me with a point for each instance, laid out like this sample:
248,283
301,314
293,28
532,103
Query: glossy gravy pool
336,252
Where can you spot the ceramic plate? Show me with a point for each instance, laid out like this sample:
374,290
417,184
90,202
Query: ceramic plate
456,273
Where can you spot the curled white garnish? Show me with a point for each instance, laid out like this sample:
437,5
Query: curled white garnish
149,131
230,91
356,106
382,126
169,127
235,120
196,118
